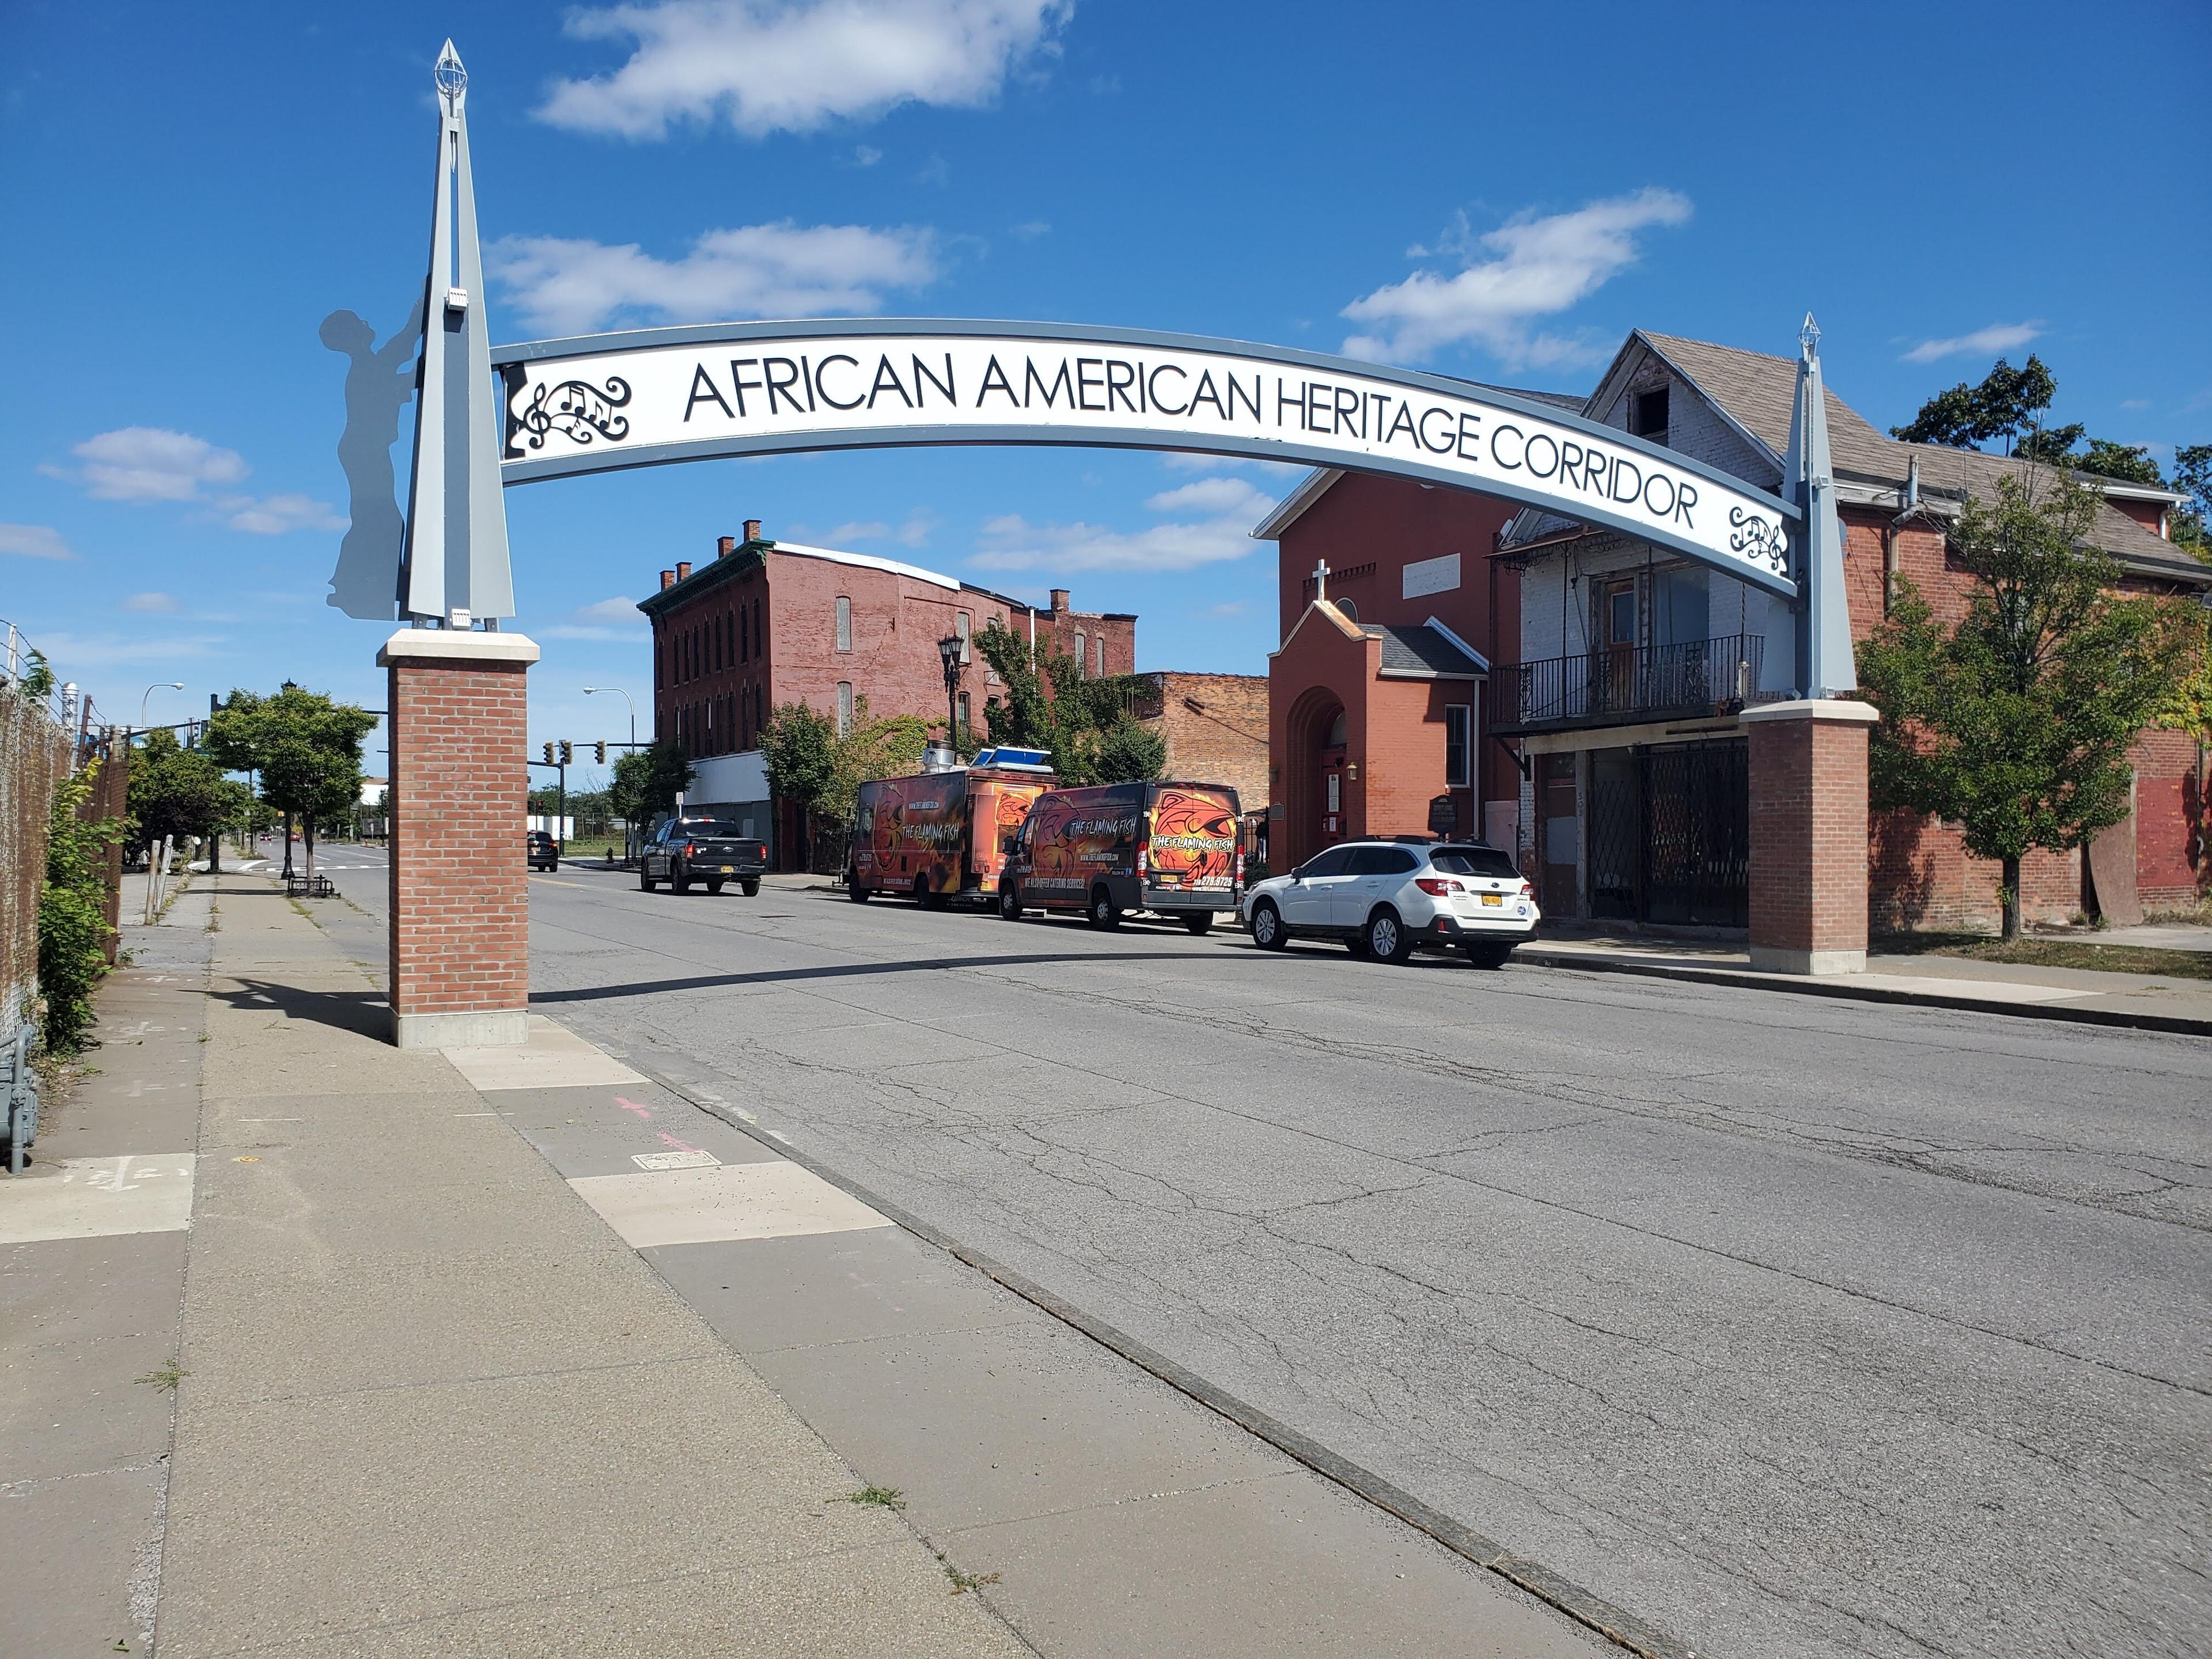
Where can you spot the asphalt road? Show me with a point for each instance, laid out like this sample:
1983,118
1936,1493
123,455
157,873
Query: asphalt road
1793,1326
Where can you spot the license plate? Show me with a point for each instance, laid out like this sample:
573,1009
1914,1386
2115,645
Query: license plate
1493,899
729,869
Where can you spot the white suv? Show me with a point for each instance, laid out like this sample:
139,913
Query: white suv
1383,898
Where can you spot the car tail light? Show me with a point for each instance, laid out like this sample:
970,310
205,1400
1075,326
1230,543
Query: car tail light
1438,886
1143,860
690,851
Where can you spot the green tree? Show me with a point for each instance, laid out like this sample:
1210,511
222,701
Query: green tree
1050,705
2191,526
179,792
798,749
648,780
891,747
73,930
2004,405
2015,723
304,748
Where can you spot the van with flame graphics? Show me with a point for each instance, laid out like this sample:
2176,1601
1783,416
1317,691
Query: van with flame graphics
942,836
1170,849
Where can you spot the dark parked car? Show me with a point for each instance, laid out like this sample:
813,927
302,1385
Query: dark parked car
686,850
544,851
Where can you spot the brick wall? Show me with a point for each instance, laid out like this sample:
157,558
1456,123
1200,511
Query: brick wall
1216,728
1808,836
459,897
2172,868
757,627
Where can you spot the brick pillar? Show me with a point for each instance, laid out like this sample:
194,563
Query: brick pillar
1808,836
460,903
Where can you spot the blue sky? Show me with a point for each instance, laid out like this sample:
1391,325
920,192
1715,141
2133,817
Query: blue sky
1495,191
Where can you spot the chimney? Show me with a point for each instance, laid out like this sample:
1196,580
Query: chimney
752,530
725,545
1059,600
683,570
667,579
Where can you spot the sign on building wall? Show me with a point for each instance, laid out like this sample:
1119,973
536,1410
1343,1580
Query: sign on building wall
664,395
1426,576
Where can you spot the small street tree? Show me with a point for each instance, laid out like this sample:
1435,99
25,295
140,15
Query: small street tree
1085,723
888,748
798,747
305,748
2015,722
648,780
178,791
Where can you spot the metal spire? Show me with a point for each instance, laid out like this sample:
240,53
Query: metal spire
1825,664
456,564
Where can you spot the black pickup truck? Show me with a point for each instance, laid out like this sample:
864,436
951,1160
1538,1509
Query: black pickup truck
686,850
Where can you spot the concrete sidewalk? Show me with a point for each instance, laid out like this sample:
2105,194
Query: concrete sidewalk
2147,1001
515,1352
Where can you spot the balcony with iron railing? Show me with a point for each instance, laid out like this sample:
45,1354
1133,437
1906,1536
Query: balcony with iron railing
1621,685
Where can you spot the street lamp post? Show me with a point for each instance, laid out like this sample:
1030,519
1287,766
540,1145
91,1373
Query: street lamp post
948,648
595,690
158,685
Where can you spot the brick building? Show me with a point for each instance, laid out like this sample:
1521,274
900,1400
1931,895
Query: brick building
1215,727
765,623
1633,686
1392,613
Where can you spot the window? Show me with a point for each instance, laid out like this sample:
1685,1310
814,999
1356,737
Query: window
844,708
1336,733
1381,861
1329,861
960,627
1080,666
1684,606
1336,791
963,711
1351,610
1473,861
1647,415
844,623
1459,728
1098,646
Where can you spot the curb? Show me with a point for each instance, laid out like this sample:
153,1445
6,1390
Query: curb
1586,1608
2179,1025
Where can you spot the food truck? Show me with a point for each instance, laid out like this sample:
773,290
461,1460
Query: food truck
941,836
1170,849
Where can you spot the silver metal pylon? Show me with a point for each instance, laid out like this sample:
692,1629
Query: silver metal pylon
1824,663
456,564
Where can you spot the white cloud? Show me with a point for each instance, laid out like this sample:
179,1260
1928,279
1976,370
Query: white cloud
587,631
1030,230
570,286
1177,460
35,541
914,531
279,515
865,155
1998,337
935,171
2135,402
1527,269
1231,507
150,602
762,67
617,609
151,463
109,651
872,529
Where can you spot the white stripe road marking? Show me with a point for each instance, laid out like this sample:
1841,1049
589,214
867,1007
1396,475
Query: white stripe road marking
736,1200
100,1198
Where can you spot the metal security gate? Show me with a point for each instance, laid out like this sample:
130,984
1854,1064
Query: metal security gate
1696,833
1670,834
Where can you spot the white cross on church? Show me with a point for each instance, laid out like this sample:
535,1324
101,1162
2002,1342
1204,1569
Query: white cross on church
1321,579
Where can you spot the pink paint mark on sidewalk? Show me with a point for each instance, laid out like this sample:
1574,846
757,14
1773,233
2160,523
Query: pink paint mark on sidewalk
668,1140
632,1106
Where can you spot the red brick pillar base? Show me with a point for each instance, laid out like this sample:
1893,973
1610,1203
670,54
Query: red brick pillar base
460,901
1808,836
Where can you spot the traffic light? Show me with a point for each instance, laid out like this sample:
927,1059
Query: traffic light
599,751
567,752
549,751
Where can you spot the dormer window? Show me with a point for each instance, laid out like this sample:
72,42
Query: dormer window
1647,415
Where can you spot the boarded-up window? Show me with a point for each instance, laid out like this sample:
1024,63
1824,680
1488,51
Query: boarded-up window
844,623
844,708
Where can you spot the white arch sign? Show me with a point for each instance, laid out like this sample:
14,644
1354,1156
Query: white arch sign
658,396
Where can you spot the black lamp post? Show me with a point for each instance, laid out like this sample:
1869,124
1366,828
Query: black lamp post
948,648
